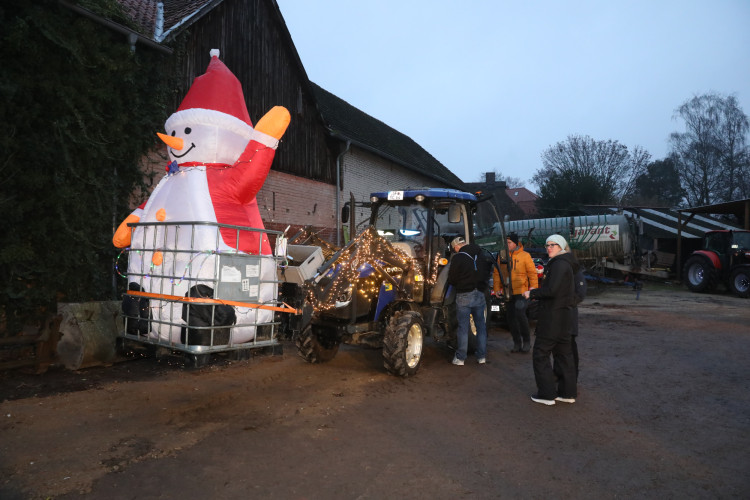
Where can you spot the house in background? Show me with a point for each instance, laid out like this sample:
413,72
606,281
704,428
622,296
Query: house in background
504,204
525,199
331,152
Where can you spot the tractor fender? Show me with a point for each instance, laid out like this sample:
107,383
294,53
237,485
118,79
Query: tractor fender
711,256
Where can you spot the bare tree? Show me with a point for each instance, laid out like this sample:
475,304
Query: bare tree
712,154
610,164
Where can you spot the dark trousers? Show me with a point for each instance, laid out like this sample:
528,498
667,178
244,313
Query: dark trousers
518,323
562,380
574,348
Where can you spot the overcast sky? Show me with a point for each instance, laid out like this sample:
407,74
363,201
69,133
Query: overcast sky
488,85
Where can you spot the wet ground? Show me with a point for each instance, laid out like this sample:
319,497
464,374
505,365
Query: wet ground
663,412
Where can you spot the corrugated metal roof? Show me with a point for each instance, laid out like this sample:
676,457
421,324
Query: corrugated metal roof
662,222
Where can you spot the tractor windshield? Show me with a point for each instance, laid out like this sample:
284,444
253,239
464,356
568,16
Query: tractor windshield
741,240
440,219
418,227
402,222
414,222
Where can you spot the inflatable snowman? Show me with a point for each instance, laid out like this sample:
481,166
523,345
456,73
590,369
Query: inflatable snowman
219,163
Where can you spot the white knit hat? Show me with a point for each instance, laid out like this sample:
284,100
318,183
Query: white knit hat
556,238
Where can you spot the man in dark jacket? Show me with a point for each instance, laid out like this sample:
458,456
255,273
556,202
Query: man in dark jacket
556,298
469,274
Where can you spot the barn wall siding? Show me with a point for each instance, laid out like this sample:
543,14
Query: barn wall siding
288,200
249,38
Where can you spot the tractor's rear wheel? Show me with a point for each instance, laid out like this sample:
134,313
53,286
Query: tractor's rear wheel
700,274
402,343
316,345
739,281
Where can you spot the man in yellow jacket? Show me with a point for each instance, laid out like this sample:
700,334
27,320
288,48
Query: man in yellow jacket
523,278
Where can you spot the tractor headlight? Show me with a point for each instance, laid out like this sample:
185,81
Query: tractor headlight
345,298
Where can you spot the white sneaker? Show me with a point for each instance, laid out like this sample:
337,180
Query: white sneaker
548,402
565,400
458,362
482,361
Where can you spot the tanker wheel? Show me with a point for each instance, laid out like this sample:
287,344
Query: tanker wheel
402,343
700,275
739,281
314,346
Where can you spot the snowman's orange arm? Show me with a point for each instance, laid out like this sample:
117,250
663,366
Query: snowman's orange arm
251,169
274,123
121,238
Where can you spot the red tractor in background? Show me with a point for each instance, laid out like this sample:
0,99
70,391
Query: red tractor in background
724,257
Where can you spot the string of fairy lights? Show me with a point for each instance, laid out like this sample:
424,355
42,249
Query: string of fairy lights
360,266
186,274
174,168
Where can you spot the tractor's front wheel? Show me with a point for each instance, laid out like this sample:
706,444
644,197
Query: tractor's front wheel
700,275
402,343
316,344
739,281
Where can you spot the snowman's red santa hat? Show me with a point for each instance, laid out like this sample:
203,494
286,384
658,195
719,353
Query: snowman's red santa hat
215,98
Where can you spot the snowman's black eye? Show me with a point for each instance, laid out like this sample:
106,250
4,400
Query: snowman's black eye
188,130
173,132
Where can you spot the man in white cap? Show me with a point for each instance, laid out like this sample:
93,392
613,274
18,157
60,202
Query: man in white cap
468,273
556,299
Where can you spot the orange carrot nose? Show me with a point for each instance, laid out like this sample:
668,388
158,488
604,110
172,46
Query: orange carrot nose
172,142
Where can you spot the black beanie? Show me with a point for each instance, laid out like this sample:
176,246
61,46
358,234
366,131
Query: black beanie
513,237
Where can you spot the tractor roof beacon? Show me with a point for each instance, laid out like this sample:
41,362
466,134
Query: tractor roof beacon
387,288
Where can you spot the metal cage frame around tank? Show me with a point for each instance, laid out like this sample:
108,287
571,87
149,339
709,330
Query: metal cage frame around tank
224,294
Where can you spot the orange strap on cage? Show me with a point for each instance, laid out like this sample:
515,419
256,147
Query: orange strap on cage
206,300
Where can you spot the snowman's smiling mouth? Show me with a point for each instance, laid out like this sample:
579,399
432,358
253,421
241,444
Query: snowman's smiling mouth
186,152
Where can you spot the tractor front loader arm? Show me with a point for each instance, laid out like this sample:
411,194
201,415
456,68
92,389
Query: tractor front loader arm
368,251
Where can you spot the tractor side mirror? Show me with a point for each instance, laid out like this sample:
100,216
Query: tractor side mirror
454,213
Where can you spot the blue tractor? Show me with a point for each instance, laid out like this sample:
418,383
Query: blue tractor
387,288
